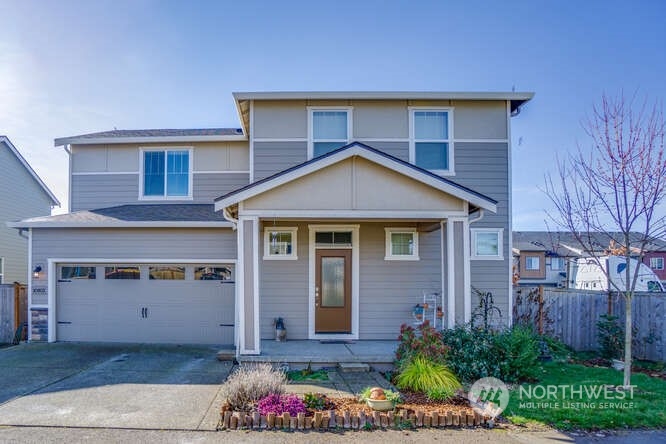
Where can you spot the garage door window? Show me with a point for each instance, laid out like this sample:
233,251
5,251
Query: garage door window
77,272
122,273
211,273
167,273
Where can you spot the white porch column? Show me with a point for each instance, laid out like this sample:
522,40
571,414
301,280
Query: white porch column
247,285
456,271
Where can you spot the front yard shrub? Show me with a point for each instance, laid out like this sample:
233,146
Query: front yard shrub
316,401
519,351
280,404
510,355
426,376
426,342
250,383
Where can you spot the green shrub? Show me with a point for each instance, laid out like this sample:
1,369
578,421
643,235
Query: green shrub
425,376
610,335
317,401
519,351
426,342
510,355
250,383
471,353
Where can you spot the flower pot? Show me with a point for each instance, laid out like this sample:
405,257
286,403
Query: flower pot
380,404
617,364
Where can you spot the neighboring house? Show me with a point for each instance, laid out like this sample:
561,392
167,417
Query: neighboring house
22,195
335,211
546,258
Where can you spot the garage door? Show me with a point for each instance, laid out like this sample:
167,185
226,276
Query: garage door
155,303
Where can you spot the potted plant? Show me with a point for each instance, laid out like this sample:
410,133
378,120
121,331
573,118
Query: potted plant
380,399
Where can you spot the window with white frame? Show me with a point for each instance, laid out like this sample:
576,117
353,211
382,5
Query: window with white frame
402,244
280,243
430,144
557,263
657,263
532,263
166,174
329,130
487,243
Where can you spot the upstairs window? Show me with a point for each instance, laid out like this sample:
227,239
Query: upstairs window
557,263
166,174
657,263
532,263
430,139
329,130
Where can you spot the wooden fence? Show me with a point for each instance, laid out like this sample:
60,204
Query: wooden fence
13,311
571,316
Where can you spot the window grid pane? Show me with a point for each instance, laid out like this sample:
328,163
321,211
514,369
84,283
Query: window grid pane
331,125
487,244
402,244
532,263
123,273
432,155
279,243
167,273
321,148
178,173
212,273
431,125
153,173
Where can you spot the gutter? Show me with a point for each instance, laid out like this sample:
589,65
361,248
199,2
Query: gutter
227,215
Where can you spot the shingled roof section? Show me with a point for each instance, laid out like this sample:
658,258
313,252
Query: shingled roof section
136,213
118,136
555,241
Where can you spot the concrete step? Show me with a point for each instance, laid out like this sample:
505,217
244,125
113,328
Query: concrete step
226,354
353,367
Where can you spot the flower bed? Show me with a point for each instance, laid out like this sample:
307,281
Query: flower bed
348,413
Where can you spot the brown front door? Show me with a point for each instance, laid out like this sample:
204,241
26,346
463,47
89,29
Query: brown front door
333,291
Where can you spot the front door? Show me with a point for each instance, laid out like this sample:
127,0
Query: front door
333,291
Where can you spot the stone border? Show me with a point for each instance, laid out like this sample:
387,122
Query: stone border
328,420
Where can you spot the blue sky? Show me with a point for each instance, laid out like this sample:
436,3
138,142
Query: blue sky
72,67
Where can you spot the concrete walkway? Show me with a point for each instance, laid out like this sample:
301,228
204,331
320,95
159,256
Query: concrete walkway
118,386
340,384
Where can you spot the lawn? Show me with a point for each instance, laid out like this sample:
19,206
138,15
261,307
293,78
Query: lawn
587,399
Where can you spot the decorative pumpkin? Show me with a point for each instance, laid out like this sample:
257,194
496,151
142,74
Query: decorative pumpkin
377,393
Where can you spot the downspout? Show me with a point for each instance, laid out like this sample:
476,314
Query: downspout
20,233
477,218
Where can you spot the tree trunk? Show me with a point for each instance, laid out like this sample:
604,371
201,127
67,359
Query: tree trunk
628,332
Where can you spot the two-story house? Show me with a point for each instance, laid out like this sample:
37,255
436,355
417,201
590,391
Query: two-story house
22,194
335,211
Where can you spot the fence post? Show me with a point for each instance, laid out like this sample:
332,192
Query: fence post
17,318
540,318
610,303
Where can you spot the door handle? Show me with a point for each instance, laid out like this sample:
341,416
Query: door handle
146,311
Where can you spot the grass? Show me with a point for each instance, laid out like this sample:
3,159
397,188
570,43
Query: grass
307,375
648,408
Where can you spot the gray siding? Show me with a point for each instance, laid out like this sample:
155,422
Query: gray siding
148,243
395,149
484,168
388,289
20,197
273,157
109,190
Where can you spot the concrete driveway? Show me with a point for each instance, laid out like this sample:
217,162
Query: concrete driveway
111,385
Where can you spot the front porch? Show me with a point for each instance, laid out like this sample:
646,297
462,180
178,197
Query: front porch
299,353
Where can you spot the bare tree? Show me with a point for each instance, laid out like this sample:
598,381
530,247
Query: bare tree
614,190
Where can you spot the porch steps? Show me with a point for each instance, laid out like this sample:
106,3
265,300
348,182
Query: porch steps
226,354
353,367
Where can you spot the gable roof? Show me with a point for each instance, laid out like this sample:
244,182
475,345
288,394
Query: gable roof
26,165
154,135
366,152
148,215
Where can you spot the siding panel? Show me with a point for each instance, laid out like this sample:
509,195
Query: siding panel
273,157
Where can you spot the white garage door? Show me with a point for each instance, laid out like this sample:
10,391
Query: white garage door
156,303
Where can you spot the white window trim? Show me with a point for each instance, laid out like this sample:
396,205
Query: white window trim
656,261
538,259
294,244
412,140
2,270
189,149
401,257
312,109
558,258
500,239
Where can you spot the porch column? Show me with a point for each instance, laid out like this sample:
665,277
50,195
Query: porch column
247,285
457,271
